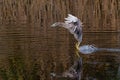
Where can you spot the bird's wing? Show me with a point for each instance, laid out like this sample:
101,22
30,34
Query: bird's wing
76,26
61,24
71,19
74,21
73,24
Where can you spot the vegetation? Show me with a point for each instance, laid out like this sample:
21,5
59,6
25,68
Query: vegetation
102,15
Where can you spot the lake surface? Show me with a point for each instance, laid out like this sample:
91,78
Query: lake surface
36,53
102,65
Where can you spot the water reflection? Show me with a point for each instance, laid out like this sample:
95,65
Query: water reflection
102,65
74,72
43,54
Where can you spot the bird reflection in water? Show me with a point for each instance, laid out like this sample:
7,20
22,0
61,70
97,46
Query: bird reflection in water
74,72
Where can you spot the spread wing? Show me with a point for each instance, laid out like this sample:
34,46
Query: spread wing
73,24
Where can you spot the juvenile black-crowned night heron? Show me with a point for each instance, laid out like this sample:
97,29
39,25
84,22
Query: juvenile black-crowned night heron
74,25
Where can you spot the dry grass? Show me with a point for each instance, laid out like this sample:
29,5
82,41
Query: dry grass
96,15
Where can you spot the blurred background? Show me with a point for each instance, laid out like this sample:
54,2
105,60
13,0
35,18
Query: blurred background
30,49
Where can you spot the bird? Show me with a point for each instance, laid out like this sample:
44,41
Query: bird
74,25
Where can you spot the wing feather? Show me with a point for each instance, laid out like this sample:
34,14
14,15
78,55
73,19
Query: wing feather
73,24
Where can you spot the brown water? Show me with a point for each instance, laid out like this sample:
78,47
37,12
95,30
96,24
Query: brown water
37,53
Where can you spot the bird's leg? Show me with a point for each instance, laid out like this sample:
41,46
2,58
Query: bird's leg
77,45
77,48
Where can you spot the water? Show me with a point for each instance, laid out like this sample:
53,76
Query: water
102,65
26,49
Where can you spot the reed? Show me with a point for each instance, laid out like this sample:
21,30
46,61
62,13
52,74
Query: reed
96,15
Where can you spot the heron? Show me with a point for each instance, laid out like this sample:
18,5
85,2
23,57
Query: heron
74,25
